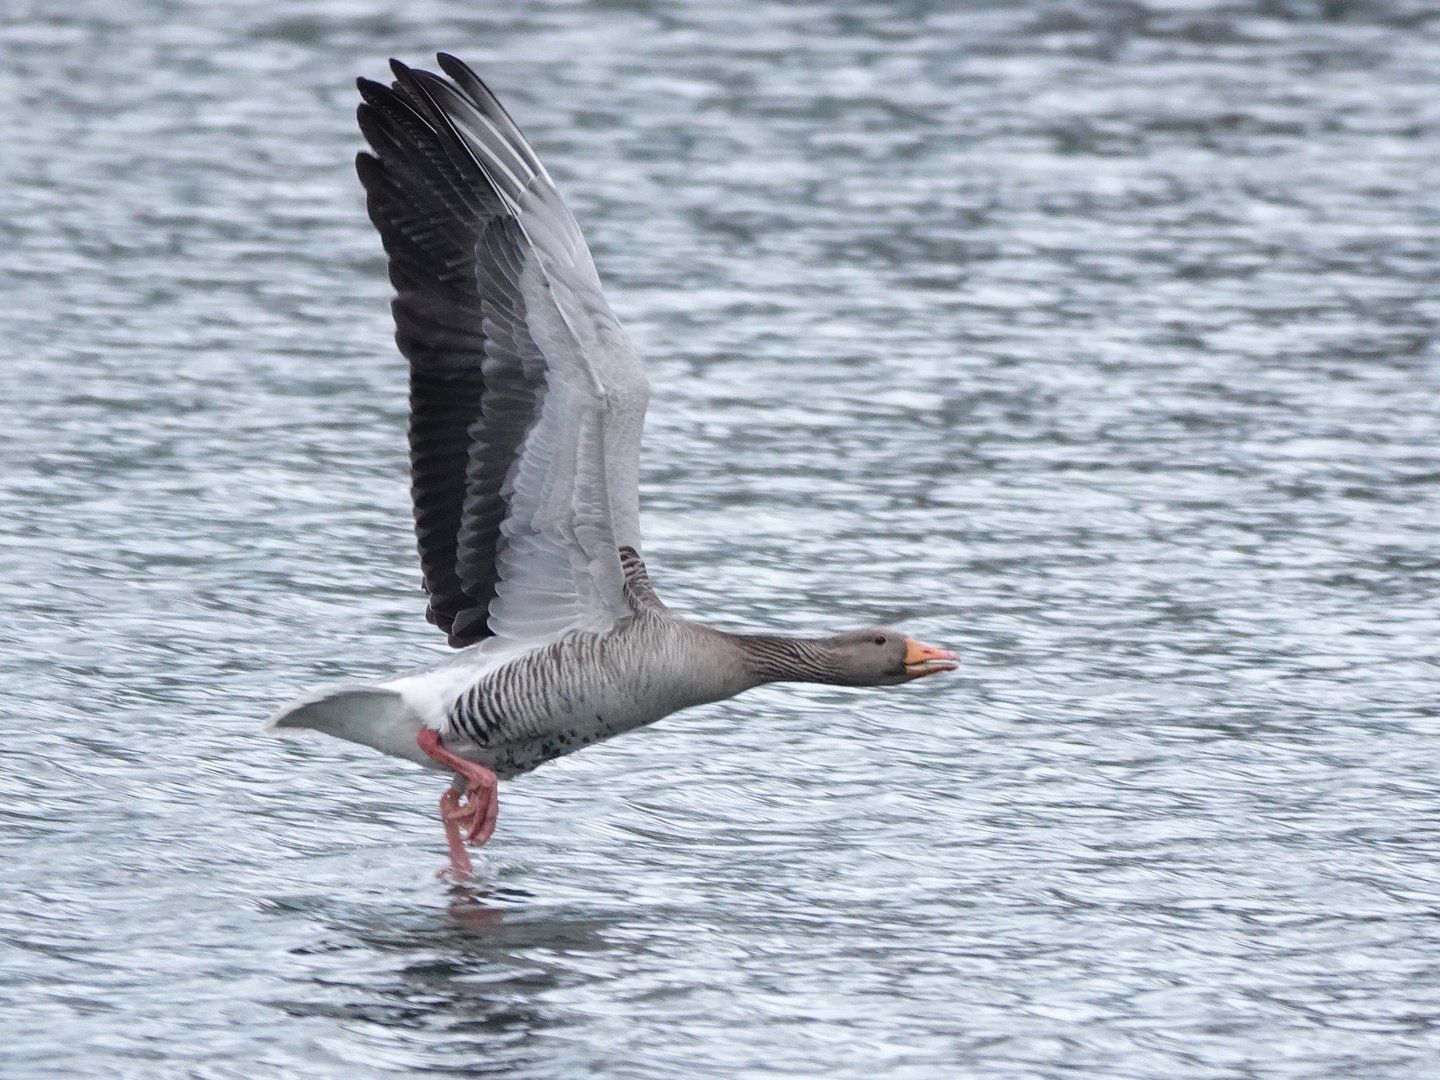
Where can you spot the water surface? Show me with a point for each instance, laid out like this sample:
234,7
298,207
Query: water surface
1095,341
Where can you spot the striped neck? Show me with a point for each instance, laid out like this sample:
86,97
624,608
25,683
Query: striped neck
769,658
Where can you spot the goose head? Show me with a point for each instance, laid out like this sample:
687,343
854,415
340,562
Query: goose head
881,656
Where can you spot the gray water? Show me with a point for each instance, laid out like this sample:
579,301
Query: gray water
1096,342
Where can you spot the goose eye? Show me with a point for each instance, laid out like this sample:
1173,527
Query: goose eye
879,639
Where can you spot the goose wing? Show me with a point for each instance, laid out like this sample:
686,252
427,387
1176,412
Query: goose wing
526,399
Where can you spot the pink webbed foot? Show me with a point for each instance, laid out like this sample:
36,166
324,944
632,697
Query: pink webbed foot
471,820
460,867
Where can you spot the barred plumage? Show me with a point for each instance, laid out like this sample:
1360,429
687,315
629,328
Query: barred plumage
582,688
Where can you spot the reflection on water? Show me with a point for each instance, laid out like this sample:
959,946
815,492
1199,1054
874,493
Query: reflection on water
462,985
1093,340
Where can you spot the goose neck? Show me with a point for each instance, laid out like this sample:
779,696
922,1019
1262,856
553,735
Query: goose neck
771,658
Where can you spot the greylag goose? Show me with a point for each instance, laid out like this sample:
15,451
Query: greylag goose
526,404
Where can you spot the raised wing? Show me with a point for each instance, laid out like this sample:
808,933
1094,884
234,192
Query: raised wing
526,399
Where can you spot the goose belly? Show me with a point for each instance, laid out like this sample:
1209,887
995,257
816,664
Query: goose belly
559,700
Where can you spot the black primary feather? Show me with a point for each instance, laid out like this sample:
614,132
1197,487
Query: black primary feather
476,375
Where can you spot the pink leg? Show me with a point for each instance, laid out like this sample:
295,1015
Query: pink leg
476,815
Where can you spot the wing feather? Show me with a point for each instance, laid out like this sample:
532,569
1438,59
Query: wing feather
526,398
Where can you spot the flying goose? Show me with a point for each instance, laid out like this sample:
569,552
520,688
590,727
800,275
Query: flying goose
526,404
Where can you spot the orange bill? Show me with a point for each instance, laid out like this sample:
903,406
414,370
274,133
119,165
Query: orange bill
927,659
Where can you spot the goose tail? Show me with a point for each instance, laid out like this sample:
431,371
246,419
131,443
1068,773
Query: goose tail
373,716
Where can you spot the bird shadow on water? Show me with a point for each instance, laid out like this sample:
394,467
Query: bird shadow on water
468,987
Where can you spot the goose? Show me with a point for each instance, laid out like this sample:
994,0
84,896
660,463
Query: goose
526,407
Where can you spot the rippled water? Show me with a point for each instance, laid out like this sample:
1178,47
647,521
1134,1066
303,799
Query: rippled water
1093,340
